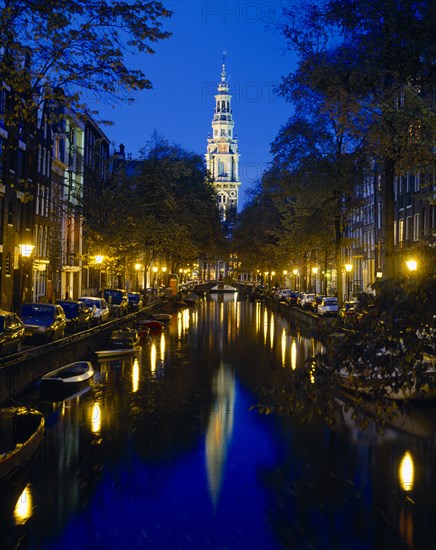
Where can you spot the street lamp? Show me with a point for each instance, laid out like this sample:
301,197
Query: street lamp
137,269
315,272
154,269
164,271
412,265
99,259
26,252
348,270
295,273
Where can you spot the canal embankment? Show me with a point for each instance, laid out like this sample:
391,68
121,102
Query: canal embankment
20,370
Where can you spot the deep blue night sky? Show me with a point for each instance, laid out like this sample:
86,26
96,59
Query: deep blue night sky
185,71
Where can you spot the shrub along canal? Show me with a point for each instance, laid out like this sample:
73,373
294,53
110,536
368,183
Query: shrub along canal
165,451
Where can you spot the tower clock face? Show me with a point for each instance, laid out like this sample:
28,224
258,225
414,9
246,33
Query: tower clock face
232,193
222,148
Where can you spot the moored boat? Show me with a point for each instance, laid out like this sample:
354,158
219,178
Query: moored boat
68,378
162,317
21,433
153,325
121,342
396,386
124,338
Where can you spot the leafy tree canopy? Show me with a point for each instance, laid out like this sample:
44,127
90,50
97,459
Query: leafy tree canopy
75,51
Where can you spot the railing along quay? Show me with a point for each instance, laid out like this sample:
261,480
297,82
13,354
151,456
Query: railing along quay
20,370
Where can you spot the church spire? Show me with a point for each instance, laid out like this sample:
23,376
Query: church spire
222,157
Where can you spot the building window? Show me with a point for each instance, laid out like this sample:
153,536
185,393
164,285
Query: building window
416,226
408,224
8,264
417,185
400,232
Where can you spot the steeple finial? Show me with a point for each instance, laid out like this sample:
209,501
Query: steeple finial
223,72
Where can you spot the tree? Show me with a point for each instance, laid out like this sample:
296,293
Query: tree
382,58
71,52
165,204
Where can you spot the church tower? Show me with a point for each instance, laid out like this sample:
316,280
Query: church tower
222,157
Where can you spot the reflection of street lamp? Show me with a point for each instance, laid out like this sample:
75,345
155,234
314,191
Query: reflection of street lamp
315,272
348,270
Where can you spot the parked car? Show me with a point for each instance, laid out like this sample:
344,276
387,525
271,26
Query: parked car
43,322
306,300
316,301
348,311
98,307
293,298
328,306
118,301
11,332
78,315
135,301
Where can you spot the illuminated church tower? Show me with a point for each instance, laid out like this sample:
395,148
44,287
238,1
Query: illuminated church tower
222,157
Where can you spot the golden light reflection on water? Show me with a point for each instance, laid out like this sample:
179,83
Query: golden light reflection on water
265,326
135,375
153,354
162,348
283,347
271,331
24,507
258,318
406,472
179,325
95,418
293,354
219,429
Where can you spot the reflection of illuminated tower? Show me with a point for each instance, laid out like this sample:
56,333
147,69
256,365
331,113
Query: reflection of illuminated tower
219,429
222,157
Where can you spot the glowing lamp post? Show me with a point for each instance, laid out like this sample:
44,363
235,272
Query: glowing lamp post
314,273
295,273
154,269
138,267
348,270
26,251
99,259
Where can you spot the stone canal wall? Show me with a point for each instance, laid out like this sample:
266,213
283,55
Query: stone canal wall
20,371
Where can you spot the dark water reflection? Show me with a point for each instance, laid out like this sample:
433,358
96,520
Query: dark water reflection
164,453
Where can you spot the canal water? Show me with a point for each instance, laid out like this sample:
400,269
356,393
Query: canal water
165,451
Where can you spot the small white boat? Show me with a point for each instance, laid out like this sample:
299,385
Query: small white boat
69,377
221,287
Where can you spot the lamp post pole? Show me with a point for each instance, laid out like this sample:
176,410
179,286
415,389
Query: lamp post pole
314,272
295,273
348,270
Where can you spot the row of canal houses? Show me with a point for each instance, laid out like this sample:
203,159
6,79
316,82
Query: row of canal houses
43,171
